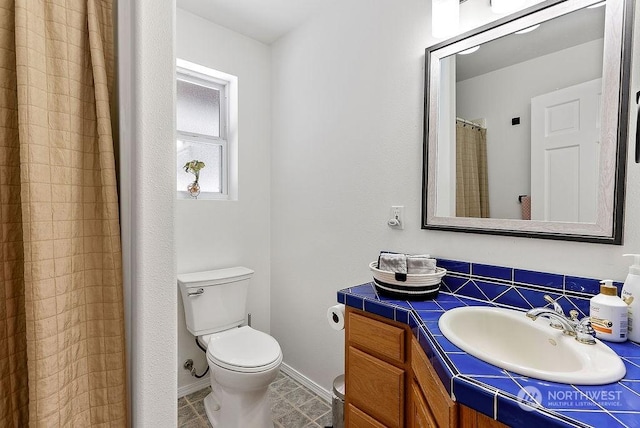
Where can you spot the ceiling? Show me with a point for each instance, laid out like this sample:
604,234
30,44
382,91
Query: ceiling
268,20
581,26
262,20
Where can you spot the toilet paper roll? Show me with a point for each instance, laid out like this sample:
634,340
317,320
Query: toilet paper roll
335,316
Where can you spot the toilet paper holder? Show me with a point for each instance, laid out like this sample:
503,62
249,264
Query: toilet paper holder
335,316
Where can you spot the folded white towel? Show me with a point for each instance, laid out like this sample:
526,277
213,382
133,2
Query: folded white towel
421,264
392,262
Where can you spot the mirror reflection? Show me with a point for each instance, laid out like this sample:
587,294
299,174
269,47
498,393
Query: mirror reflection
526,124
520,120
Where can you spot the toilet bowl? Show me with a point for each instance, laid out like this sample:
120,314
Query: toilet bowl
242,361
242,364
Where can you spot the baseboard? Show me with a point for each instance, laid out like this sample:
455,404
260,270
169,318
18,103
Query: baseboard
305,381
194,386
295,374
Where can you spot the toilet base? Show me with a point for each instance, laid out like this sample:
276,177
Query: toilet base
239,412
212,409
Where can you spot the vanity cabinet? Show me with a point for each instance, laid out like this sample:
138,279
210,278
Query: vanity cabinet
391,383
375,372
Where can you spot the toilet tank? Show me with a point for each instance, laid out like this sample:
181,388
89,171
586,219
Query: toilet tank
214,300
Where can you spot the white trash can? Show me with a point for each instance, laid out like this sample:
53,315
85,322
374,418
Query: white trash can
337,402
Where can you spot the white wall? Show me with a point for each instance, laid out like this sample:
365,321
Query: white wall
501,95
347,144
147,194
217,234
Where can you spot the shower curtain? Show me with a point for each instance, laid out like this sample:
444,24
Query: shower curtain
472,181
62,356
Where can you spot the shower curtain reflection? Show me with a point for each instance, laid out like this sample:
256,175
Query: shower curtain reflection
472,182
61,309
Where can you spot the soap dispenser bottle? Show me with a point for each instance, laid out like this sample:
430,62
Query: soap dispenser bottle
609,313
631,296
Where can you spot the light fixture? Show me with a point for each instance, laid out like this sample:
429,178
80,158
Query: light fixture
469,51
505,6
528,29
445,17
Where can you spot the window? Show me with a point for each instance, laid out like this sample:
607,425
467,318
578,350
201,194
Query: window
206,117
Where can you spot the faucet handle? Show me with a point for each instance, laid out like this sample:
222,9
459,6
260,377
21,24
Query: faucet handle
556,306
584,332
558,310
573,314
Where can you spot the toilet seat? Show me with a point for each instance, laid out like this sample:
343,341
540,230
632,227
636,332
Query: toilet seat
243,350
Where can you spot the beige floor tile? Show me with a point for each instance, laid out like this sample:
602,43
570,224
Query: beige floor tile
293,406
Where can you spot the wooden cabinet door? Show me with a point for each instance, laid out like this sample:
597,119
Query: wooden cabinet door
377,338
420,416
443,408
358,419
375,387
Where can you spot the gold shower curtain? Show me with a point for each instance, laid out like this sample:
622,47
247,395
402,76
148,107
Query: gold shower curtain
62,356
472,181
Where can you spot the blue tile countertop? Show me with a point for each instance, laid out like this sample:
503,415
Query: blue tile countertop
511,398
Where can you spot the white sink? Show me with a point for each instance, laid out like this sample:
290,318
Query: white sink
512,341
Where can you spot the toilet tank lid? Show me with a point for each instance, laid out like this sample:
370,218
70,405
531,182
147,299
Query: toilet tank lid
213,277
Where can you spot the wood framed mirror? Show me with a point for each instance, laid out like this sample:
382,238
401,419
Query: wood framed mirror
526,124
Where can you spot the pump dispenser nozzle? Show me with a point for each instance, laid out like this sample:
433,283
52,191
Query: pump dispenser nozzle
607,288
635,267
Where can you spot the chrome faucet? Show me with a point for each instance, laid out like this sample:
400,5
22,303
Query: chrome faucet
579,328
556,320
557,309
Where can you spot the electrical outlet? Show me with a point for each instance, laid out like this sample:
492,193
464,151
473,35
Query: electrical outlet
397,213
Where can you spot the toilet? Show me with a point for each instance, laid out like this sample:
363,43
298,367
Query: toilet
242,361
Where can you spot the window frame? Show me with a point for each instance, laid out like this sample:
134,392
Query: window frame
199,75
214,141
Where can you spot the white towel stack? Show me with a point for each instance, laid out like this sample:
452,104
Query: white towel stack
405,263
393,262
421,264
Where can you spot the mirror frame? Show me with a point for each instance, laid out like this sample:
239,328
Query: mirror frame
614,129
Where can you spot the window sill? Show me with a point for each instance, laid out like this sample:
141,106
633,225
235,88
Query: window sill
203,196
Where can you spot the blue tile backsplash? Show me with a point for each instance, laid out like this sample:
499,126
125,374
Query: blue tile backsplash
494,391
518,288
497,272
455,266
528,277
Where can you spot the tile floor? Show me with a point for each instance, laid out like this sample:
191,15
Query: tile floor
293,406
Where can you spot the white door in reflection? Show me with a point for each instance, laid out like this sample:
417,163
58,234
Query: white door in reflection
565,149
